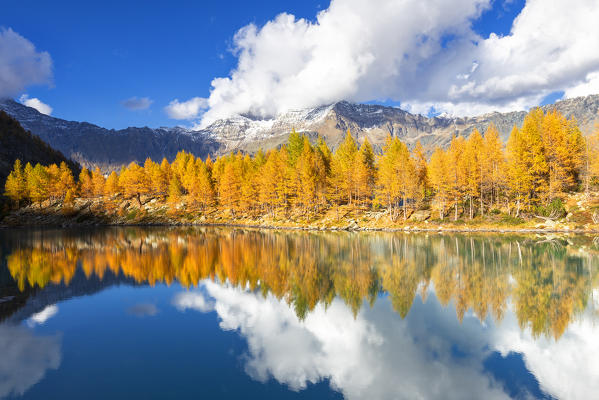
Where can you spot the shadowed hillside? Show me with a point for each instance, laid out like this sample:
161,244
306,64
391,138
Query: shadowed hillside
17,143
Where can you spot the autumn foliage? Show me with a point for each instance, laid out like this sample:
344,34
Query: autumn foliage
473,176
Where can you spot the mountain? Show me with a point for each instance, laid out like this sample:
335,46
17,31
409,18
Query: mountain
376,122
16,142
92,145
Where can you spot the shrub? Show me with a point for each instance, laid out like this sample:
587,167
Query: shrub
555,209
509,220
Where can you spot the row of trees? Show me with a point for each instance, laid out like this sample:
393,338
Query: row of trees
546,157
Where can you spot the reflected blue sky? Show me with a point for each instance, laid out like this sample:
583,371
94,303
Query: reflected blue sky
78,318
223,341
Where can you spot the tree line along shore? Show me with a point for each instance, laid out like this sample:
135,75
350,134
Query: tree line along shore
540,170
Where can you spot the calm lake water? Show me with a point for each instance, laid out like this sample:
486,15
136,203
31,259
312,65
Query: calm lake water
181,313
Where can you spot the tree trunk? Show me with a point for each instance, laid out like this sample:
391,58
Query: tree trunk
470,207
455,218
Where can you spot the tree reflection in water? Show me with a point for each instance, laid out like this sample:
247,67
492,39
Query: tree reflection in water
548,281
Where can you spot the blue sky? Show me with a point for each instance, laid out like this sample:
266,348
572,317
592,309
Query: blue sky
106,52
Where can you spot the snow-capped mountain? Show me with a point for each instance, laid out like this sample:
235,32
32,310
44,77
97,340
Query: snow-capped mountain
92,145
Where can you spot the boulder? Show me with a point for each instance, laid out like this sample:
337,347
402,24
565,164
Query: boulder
420,215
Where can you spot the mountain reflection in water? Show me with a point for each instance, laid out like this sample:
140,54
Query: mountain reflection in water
379,315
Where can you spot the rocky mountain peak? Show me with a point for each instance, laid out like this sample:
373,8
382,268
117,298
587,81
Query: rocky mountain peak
93,145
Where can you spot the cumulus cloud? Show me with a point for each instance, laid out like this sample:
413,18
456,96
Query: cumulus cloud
423,53
36,103
589,85
21,64
379,355
189,109
561,368
192,300
25,358
137,103
375,355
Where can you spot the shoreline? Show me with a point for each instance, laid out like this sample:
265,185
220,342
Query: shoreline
101,212
407,229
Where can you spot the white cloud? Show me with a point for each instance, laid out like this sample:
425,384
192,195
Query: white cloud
192,300
374,355
547,50
36,103
590,85
21,64
567,368
25,358
378,355
137,103
41,317
189,109
363,51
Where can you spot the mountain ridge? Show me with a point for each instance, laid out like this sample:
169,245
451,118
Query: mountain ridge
92,145
17,143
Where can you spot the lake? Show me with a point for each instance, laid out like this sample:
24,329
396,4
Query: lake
182,313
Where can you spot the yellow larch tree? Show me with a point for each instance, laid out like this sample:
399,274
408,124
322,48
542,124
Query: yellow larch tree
493,176
473,165
344,170
86,186
111,186
98,182
421,168
520,179
458,171
16,184
66,181
593,155
38,182
397,181
365,173
134,182
439,173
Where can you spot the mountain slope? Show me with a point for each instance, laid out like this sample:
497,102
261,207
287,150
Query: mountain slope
16,143
92,145
376,122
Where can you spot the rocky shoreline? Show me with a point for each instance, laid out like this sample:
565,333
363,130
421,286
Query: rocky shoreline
95,212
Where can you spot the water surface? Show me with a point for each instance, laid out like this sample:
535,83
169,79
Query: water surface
231,313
